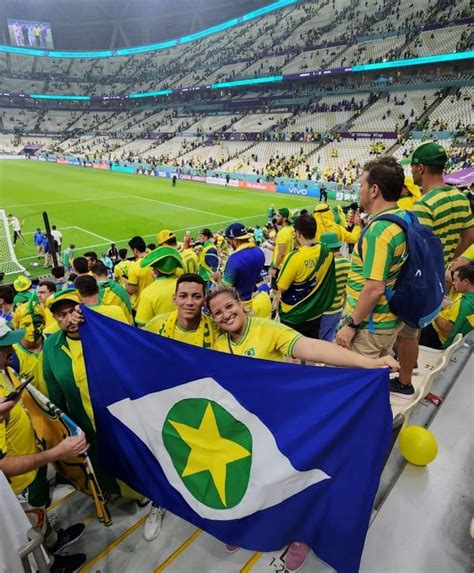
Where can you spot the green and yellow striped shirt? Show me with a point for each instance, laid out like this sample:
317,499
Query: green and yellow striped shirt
447,212
342,271
383,250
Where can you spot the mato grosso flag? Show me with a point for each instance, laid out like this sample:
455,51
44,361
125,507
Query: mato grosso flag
256,453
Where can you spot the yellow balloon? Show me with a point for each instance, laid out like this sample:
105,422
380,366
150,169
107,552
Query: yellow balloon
418,445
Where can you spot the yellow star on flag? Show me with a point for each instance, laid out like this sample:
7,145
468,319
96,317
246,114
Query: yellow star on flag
209,450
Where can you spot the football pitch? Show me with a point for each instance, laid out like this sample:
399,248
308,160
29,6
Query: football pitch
93,208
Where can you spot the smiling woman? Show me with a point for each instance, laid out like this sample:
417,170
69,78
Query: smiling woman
262,338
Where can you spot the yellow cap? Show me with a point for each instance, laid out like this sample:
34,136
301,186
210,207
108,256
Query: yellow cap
70,294
21,283
164,236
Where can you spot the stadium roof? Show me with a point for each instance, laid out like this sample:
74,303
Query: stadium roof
111,24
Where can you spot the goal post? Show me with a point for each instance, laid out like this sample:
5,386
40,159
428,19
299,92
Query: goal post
8,262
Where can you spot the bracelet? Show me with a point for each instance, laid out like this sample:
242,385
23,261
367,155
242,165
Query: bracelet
352,324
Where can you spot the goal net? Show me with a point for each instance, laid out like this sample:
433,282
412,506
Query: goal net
8,262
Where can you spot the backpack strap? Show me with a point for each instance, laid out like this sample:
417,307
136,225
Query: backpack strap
403,224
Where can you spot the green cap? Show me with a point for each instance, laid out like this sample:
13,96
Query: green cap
429,153
331,240
284,212
164,259
9,336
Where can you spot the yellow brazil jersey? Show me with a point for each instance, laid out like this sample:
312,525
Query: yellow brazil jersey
121,272
262,305
262,338
342,271
383,254
304,272
190,261
167,325
24,361
460,313
139,277
448,213
110,310
468,253
286,237
156,299
17,438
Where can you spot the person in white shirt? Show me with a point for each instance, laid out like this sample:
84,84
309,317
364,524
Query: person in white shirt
16,226
57,236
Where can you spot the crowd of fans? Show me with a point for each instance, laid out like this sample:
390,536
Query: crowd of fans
304,287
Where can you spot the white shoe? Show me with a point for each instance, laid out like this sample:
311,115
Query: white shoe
152,525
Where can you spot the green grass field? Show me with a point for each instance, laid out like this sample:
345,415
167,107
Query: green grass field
94,208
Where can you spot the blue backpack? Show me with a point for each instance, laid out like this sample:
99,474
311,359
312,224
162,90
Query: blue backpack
417,296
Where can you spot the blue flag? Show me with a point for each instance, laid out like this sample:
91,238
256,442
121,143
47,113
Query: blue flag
257,453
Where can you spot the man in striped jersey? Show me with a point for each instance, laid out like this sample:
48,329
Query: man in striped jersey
447,212
376,264
442,208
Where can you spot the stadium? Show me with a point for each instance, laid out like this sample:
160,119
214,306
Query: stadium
151,140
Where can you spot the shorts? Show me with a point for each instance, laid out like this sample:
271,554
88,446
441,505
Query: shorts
408,332
374,345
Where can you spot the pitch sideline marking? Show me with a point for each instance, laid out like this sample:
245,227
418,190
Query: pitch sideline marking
65,201
94,234
179,206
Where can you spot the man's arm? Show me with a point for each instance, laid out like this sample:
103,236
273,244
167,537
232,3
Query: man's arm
444,325
280,255
18,465
367,301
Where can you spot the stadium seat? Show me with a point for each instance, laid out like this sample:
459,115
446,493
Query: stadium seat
429,358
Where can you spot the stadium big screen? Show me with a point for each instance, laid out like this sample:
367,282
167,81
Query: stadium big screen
30,34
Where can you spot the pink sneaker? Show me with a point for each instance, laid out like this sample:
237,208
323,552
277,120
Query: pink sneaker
296,556
231,548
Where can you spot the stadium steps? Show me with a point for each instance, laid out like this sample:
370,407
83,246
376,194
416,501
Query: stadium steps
351,120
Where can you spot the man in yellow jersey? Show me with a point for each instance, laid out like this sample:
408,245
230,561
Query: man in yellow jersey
88,290
325,223
25,465
372,327
190,259
138,277
284,242
110,292
447,212
306,281
157,298
121,268
187,323
29,317
457,316
332,317
44,290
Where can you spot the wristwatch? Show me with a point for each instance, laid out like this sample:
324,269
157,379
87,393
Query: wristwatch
352,324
